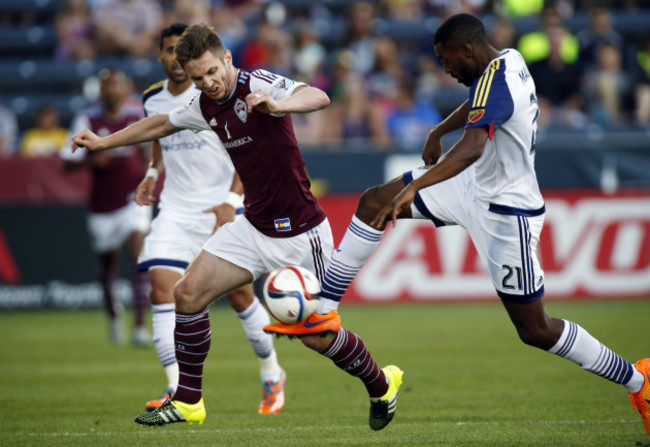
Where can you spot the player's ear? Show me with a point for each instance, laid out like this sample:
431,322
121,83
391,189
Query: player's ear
467,50
227,57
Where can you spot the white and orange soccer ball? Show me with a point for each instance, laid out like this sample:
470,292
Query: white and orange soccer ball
291,293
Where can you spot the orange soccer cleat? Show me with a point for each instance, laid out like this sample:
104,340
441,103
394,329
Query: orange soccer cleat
315,324
157,403
272,396
641,399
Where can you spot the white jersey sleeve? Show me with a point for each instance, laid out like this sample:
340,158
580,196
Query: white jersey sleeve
189,116
79,123
278,87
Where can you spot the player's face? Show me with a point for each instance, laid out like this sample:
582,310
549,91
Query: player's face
213,76
113,91
166,57
458,63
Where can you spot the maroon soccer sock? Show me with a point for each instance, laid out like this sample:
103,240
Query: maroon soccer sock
349,353
140,286
192,338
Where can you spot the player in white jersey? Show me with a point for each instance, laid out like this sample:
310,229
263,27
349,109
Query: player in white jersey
198,175
485,183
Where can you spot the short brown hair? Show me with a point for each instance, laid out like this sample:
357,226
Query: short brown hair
195,41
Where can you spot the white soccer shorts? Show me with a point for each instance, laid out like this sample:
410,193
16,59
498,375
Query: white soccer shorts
174,240
243,245
505,237
108,231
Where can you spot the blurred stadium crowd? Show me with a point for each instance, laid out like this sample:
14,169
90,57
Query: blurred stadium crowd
590,60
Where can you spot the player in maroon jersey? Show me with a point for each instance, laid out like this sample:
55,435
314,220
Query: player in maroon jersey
113,218
282,225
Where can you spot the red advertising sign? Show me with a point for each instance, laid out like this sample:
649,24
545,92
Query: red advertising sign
592,245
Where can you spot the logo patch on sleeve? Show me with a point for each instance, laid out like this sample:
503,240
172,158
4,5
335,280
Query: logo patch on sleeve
475,115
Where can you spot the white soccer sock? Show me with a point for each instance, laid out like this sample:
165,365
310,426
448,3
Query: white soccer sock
358,243
164,323
577,345
172,376
253,320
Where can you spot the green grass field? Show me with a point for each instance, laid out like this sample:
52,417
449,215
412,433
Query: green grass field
468,382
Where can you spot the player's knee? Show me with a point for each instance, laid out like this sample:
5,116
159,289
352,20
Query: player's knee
538,336
160,294
369,203
184,294
240,299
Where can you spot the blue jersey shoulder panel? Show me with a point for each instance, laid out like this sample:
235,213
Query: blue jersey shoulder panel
490,100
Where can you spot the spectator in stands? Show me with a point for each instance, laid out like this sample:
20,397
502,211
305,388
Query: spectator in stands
387,70
600,32
114,219
642,83
535,45
359,37
188,11
47,137
402,10
127,27
502,35
8,132
558,85
309,56
356,119
74,30
269,49
410,120
230,27
608,88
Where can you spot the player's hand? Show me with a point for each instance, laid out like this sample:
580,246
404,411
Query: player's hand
260,101
144,192
224,213
86,139
401,202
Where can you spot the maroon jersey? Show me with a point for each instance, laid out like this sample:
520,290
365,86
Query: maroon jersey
114,183
265,153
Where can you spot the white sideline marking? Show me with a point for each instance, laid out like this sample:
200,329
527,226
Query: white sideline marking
158,430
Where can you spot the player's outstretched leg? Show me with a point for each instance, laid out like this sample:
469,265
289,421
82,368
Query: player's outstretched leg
641,399
172,412
382,409
348,351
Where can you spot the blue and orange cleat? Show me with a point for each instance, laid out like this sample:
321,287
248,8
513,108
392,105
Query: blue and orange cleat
172,412
641,399
315,324
272,396
157,403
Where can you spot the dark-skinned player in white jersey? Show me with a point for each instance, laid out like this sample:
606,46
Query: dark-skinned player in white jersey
283,223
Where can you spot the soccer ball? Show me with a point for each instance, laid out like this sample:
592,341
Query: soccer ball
291,293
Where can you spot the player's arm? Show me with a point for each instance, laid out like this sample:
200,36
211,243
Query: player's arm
147,129
227,211
462,155
144,191
454,121
304,99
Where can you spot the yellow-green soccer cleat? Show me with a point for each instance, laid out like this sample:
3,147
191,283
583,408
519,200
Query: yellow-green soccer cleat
382,410
174,411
